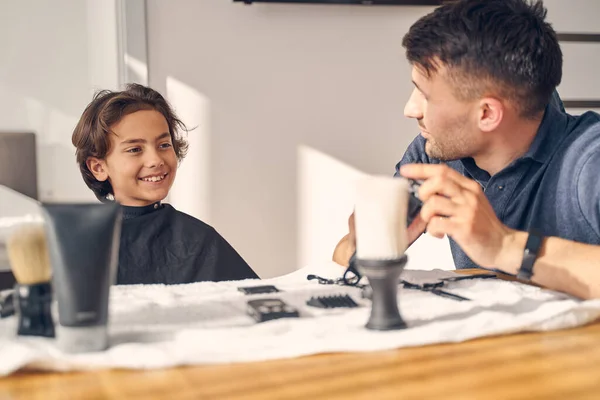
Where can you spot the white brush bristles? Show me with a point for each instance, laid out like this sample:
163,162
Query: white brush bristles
380,217
28,254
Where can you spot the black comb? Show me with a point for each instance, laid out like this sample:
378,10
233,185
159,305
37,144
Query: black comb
336,301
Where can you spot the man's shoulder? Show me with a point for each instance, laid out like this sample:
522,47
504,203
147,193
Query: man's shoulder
583,140
582,166
579,157
415,152
586,147
587,123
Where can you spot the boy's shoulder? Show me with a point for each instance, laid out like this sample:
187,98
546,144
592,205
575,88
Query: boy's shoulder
186,219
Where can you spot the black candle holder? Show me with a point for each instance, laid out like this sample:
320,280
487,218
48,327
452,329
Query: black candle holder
383,278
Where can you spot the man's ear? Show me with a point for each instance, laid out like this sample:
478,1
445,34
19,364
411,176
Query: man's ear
98,168
491,112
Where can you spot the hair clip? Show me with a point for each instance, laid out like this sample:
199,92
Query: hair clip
351,276
338,281
321,280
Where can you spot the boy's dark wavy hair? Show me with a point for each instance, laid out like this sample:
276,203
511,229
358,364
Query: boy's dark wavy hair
491,46
91,135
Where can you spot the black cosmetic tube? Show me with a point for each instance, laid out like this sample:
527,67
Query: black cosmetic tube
83,241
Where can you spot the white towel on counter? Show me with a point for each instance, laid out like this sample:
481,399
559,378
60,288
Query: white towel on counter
157,326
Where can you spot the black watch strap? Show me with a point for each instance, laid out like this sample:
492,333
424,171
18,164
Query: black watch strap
532,248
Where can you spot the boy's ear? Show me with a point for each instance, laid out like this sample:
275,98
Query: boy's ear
98,168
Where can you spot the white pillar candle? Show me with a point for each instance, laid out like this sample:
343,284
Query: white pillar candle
380,217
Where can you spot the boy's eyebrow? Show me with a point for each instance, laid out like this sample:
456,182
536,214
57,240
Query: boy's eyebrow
133,141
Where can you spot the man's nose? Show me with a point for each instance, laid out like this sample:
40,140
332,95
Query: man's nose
414,105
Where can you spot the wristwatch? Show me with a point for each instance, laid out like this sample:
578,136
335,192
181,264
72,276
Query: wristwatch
530,254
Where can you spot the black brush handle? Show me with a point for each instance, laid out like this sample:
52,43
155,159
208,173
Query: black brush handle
33,305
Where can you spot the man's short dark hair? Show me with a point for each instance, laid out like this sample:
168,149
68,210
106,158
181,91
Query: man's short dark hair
91,135
504,46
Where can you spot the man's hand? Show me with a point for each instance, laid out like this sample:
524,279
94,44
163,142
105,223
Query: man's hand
456,206
415,229
352,231
347,245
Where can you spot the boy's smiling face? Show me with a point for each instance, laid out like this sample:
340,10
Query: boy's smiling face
141,164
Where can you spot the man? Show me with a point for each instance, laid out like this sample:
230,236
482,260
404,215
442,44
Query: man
508,175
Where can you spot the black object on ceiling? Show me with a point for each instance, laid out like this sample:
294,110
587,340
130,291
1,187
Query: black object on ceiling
359,2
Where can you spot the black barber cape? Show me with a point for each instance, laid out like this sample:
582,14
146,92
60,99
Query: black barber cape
162,245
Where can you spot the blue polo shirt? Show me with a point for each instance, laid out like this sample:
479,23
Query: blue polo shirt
553,188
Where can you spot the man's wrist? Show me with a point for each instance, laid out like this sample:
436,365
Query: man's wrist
512,251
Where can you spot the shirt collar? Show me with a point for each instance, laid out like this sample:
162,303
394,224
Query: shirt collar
132,212
551,132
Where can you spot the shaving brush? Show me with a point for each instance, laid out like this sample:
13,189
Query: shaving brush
30,263
380,217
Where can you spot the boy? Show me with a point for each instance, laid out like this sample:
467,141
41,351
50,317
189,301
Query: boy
128,149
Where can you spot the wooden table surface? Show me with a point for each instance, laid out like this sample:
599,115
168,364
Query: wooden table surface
553,365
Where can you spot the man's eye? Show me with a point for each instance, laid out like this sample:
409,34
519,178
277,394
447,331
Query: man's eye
134,150
166,145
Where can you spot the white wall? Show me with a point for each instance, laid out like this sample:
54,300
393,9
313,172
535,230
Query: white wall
54,54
